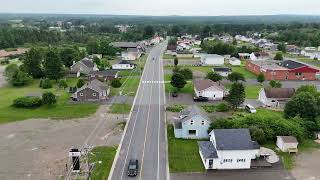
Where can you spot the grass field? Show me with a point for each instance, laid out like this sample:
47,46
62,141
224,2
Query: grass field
102,157
183,154
252,91
120,108
62,110
204,69
188,88
242,69
129,88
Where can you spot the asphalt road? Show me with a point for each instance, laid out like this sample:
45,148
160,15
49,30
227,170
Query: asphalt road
145,136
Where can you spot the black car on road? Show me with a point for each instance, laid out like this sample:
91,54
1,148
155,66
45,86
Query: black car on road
133,167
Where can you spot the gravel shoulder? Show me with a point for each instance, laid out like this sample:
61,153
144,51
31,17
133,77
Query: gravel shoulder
38,148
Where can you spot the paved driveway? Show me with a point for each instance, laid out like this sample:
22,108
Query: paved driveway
307,166
2,78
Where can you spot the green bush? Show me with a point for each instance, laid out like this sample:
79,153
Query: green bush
222,107
175,108
45,84
80,83
27,102
116,83
49,98
63,84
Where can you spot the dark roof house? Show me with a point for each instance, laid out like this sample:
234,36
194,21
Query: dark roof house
283,93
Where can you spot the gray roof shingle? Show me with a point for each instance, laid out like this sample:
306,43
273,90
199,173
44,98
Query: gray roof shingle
207,149
233,139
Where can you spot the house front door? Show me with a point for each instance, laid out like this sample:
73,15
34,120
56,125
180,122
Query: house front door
210,163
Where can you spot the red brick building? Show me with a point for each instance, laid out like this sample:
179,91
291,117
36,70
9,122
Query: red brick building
285,70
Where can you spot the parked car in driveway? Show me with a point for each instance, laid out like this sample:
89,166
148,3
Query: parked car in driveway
174,94
250,109
200,99
133,167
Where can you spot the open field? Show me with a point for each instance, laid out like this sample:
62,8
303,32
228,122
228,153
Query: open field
183,154
188,88
242,69
120,108
102,157
62,110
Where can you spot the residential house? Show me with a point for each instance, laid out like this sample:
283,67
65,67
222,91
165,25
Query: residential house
228,149
293,49
275,97
131,54
126,45
94,90
209,89
259,56
105,75
222,71
212,60
124,65
235,61
284,70
244,56
311,53
287,144
193,123
84,66
269,46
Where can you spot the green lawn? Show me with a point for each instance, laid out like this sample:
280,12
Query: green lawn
129,88
242,69
102,157
204,69
188,88
120,108
252,91
168,56
183,154
62,110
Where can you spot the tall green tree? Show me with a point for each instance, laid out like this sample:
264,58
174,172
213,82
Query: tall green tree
69,55
93,46
53,65
176,61
236,76
236,95
178,81
33,63
261,78
282,47
279,56
148,32
213,76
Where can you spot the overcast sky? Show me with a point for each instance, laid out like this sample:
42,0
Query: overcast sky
163,7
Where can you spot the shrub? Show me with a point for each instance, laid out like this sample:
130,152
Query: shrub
80,83
27,102
45,84
116,83
63,84
175,108
209,108
222,107
187,73
49,98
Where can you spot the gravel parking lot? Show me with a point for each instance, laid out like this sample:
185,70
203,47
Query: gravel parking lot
307,166
38,148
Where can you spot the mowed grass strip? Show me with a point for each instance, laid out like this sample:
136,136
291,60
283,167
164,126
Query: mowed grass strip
62,110
183,154
120,108
102,157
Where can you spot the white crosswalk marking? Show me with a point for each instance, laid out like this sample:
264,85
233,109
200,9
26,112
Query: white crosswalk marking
155,82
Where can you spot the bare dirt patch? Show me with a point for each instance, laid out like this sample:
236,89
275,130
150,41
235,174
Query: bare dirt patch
38,148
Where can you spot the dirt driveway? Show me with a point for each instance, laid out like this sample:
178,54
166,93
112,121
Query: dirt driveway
38,149
307,166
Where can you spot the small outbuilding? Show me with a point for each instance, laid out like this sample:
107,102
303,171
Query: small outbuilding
212,60
287,144
234,61
222,71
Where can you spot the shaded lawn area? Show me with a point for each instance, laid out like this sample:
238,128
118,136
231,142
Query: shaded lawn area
120,108
129,88
102,157
204,69
183,154
62,110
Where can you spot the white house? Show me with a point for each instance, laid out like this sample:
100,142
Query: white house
287,144
311,52
228,149
234,61
259,56
84,66
275,97
131,54
193,123
209,89
124,65
222,71
212,60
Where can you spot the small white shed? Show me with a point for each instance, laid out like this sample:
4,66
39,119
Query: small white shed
212,60
287,144
234,61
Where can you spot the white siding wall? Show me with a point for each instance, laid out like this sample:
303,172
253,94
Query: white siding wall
122,66
202,129
211,94
213,61
285,146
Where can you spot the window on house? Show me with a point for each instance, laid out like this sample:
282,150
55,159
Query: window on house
192,132
298,73
202,122
94,94
81,94
191,122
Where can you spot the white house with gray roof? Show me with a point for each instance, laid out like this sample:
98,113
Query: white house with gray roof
228,149
84,66
193,123
209,89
